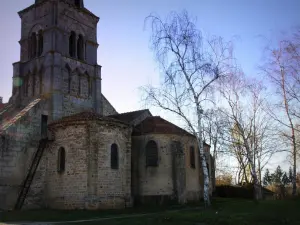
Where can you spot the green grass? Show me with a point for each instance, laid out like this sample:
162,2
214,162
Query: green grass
223,212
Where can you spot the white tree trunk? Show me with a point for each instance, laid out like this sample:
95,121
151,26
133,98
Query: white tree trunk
203,160
250,157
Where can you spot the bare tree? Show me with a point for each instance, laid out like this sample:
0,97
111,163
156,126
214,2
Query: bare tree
190,65
213,131
251,131
283,70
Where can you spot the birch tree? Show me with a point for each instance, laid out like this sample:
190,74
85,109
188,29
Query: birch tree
190,64
251,131
213,131
282,67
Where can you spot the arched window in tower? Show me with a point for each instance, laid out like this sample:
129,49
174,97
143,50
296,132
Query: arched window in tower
41,43
151,154
114,156
61,160
192,157
80,47
33,45
72,44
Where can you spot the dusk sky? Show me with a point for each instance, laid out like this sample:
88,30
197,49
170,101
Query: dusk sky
124,44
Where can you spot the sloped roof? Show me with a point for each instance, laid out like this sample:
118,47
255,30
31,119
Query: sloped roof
158,125
19,115
85,116
2,105
129,116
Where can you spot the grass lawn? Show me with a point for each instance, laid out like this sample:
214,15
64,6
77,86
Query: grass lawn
223,212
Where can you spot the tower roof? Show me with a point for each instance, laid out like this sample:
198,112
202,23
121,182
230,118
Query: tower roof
78,3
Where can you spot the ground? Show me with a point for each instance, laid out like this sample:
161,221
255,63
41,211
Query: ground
223,212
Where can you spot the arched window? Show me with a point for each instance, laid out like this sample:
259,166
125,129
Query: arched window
192,157
33,45
41,43
80,47
114,156
72,44
151,154
61,162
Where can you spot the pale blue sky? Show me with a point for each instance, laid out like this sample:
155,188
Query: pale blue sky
124,44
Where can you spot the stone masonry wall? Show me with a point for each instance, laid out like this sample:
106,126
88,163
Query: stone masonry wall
89,182
193,186
23,141
153,181
67,190
107,108
159,181
112,186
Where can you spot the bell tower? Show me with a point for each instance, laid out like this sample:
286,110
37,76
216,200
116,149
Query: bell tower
58,58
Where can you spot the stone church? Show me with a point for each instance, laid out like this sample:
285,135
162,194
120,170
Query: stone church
64,146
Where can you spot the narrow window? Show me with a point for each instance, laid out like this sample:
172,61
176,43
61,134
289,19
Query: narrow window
192,157
77,3
61,160
33,45
114,157
44,126
151,154
80,47
72,44
41,43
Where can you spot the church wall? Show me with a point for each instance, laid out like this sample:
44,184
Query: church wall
193,185
67,190
107,108
89,182
153,181
16,158
112,186
161,182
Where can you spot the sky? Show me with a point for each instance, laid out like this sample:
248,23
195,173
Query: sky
124,54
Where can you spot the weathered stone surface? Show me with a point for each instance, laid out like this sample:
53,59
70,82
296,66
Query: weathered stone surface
168,177
88,180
